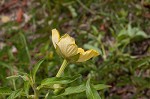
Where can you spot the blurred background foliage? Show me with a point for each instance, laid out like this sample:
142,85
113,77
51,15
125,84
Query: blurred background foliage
118,29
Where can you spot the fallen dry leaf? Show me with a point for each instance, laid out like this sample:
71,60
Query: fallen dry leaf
5,19
19,15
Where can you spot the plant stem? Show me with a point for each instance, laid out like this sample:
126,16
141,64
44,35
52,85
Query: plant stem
103,50
62,68
33,85
59,73
14,84
46,96
36,93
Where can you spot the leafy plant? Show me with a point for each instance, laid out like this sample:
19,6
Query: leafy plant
58,83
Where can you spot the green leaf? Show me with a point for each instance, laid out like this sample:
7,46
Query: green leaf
35,69
5,91
130,31
6,65
26,88
133,34
142,34
81,88
59,80
24,77
13,77
15,94
73,90
100,86
122,35
91,92
72,10
95,30
24,43
20,42
142,82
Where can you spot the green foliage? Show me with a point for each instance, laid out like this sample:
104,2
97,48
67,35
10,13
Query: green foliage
35,69
91,91
81,88
26,88
58,80
22,47
15,94
130,35
117,29
5,91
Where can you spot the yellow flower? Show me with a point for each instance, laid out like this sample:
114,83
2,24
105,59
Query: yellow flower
66,47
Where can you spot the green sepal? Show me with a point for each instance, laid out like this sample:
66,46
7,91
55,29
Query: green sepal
58,51
74,58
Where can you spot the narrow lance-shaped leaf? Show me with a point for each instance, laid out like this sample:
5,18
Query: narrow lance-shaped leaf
24,49
15,94
5,91
26,88
81,88
35,69
58,80
91,91
13,77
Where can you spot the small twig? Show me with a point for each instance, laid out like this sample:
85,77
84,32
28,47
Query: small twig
86,8
6,6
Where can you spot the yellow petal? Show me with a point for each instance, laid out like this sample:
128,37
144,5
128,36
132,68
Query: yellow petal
55,37
67,46
84,56
80,50
71,50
